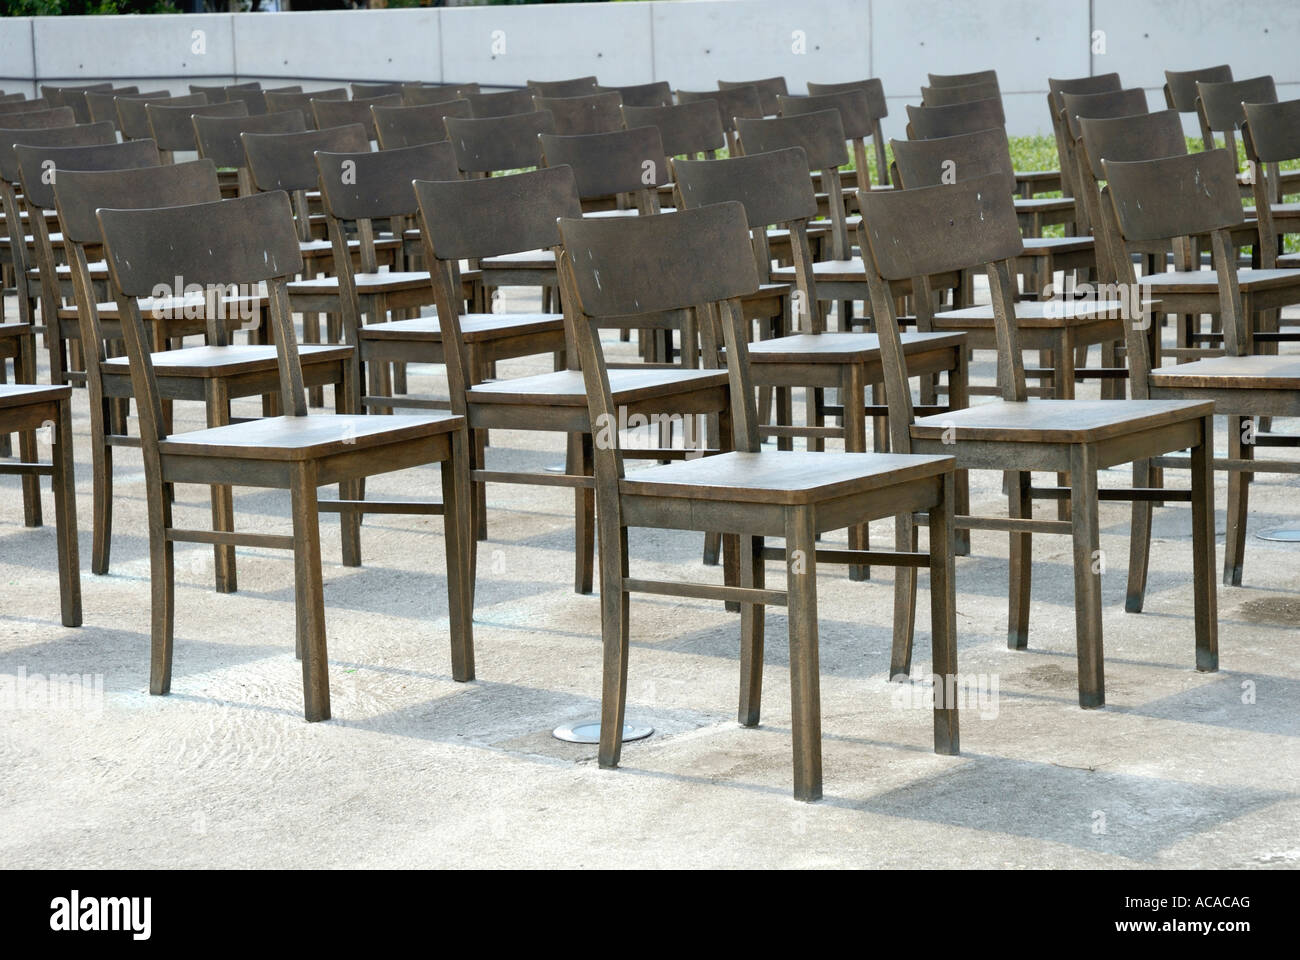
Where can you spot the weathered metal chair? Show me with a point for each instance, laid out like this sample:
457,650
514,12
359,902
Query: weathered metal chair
253,242
703,261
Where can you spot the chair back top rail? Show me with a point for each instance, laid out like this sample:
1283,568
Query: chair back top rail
929,123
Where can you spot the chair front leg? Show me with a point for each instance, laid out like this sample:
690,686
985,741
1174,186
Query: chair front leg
1088,565
805,668
309,594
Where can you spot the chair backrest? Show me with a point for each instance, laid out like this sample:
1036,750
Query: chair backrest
369,186
503,104
963,79
944,96
525,208
137,185
1056,89
626,266
41,166
254,100
1111,103
369,91
27,106
872,87
173,126
133,113
221,93
913,234
1271,135
576,116
731,104
220,137
656,94
859,123
246,241
608,164
287,161
1220,103
74,97
103,106
37,120
1171,198
339,113
768,90
930,123
490,144
409,126
423,94
821,135
278,101
775,189
76,135
948,160
577,87
685,128
1180,85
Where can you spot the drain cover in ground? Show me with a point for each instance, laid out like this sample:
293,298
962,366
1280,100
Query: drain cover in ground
590,732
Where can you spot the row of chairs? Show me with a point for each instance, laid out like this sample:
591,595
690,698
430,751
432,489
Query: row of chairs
706,255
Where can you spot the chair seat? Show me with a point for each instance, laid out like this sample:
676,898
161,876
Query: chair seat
211,362
1206,281
1256,372
324,248
475,327
1281,211
1044,205
1046,246
22,394
14,329
633,212
382,282
831,271
784,477
1048,314
524,260
842,347
307,438
1057,421
566,387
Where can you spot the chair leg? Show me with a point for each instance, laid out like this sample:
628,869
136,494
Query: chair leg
1206,599
1139,542
478,445
584,513
162,599
614,632
1088,563
943,620
855,441
223,504
752,574
31,483
1238,501
460,564
309,594
900,658
349,520
101,457
1021,563
805,669
65,519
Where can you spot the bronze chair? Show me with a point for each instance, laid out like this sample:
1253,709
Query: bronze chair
528,205
253,242
703,261
1178,197
913,233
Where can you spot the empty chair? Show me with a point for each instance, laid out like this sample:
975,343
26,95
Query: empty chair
1181,93
173,126
877,108
220,138
102,104
279,102
963,79
369,91
251,241
133,113
945,96
931,123
702,259
421,94
687,129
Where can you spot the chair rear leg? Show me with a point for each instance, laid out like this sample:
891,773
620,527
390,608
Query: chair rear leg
308,593
752,574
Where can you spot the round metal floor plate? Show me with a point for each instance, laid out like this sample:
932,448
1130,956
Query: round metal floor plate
589,732
1282,536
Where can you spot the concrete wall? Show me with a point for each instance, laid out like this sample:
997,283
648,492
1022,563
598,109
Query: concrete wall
690,43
